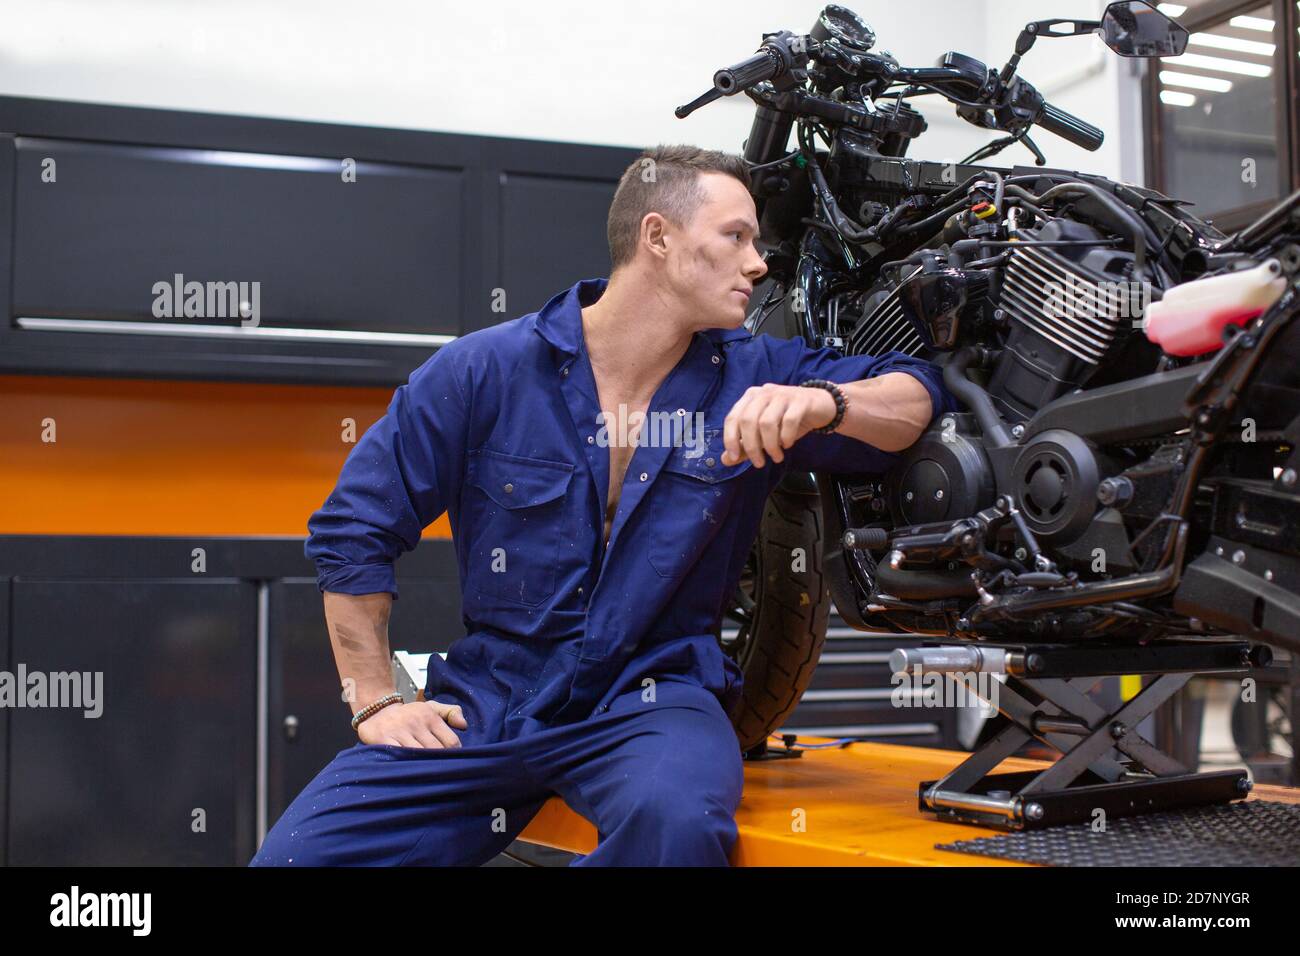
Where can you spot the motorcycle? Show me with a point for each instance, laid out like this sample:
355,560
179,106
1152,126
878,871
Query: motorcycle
1124,471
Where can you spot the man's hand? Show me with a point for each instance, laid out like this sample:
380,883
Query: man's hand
423,723
888,412
770,418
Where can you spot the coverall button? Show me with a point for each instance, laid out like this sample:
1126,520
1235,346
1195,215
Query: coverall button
709,462
565,370
681,411
716,360
644,476
591,439
509,488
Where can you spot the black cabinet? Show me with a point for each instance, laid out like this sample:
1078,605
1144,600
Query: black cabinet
379,253
205,702
363,269
165,773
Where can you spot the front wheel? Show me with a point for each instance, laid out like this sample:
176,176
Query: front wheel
775,625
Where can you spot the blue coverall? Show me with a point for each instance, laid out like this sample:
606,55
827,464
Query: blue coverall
588,671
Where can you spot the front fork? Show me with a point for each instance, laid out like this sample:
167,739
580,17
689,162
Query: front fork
807,305
806,316
840,579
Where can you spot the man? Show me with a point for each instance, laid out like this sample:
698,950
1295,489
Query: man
593,570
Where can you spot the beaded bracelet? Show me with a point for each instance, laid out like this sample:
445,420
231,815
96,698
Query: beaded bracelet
378,705
841,403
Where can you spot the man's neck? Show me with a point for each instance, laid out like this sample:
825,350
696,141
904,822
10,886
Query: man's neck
634,337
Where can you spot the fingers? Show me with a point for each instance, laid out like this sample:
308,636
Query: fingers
445,716
740,431
759,426
791,428
451,713
426,738
769,426
751,441
435,736
731,433
446,736
430,729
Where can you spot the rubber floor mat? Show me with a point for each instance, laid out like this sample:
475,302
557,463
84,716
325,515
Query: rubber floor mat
1245,833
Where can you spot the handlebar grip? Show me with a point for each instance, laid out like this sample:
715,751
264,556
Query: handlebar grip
763,65
1068,126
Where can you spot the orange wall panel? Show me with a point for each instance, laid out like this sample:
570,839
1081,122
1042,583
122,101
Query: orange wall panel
154,457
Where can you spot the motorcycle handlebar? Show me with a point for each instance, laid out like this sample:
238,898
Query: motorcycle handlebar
763,65
779,53
1070,127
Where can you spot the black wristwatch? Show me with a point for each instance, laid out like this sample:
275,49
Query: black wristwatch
841,403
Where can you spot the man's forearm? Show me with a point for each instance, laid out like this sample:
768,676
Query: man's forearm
889,411
358,628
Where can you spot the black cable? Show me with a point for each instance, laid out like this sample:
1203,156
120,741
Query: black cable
795,745
842,223
932,221
763,316
776,162
1018,196
909,91
951,97
999,259
988,149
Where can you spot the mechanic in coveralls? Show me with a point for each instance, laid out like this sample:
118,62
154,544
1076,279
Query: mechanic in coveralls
594,569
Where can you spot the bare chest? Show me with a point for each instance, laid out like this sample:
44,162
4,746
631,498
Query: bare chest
623,420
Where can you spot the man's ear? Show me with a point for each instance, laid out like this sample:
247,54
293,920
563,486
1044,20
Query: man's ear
654,234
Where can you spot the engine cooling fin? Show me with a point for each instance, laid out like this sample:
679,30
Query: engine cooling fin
1050,296
886,329
1066,315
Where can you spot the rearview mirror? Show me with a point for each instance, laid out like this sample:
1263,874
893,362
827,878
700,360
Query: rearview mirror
1135,28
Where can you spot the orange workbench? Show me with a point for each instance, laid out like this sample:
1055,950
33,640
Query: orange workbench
850,806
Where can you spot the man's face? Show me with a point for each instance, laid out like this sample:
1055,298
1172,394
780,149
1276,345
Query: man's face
713,262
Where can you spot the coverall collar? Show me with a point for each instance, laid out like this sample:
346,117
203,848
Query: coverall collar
559,321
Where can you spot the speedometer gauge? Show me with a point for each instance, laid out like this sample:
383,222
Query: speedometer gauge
842,24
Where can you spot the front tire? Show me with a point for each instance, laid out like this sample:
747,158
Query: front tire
776,624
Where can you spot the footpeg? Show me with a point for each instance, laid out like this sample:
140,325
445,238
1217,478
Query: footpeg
865,539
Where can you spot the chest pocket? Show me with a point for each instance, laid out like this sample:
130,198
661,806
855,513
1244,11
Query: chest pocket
517,505
694,493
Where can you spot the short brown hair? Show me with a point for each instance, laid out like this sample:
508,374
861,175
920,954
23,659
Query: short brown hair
672,189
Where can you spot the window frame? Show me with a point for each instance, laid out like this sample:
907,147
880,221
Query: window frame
1286,18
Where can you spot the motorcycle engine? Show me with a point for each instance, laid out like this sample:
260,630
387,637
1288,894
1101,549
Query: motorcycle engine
1064,308
1058,312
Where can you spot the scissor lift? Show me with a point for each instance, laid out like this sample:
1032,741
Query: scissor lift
1106,766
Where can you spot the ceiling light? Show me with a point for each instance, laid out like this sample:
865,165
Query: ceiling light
1176,98
1195,81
